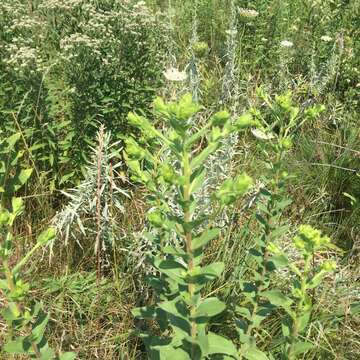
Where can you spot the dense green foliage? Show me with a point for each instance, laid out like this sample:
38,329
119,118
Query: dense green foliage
179,179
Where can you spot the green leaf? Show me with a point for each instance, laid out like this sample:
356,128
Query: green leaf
172,269
67,356
17,205
174,307
12,140
47,353
210,307
37,333
19,346
301,347
24,176
277,298
199,160
146,312
279,261
170,353
221,345
255,354
303,320
46,236
286,325
316,280
355,308
205,237
199,178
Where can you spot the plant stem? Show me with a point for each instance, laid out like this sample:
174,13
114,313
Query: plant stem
298,312
12,286
188,237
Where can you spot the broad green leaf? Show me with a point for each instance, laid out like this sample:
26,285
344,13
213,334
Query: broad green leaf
47,353
67,356
279,261
19,346
304,320
255,354
243,311
221,345
205,237
12,140
17,205
174,307
170,353
301,347
355,308
210,307
277,298
146,312
37,333
172,269
24,175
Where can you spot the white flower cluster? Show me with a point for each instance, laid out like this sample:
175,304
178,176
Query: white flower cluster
326,38
286,44
74,40
248,13
62,5
26,23
99,34
21,58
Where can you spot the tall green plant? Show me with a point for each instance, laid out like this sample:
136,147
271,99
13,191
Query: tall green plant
276,127
13,175
25,327
298,305
182,311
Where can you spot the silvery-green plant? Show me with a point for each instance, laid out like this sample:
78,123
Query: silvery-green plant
93,203
182,312
25,326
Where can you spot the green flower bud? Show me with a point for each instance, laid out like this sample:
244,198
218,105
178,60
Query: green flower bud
168,174
156,218
310,239
286,143
314,111
328,266
216,134
231,189
133,149
200,49
284,175
284,101
160,106
242,184
4,217
244,121
220,118
184,109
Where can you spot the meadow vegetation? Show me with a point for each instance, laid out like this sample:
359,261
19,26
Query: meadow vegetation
179,179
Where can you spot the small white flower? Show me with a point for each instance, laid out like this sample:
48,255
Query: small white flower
173,74
326,38
232,32
261,135
286,44
248,13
